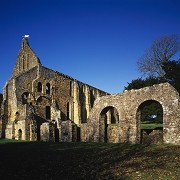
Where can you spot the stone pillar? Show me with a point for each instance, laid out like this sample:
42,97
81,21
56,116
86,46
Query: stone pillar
76,103
55,112
8,131
87,100
83,132
13,101
108,114
66,131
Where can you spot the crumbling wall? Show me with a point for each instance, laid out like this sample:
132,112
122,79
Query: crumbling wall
47,132
127,105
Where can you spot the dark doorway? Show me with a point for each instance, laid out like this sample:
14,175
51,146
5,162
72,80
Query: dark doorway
108,116
19,134
56,135
48,112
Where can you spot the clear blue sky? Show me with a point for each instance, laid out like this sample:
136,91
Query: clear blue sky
95,41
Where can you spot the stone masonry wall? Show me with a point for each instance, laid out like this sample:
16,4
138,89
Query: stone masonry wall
127,105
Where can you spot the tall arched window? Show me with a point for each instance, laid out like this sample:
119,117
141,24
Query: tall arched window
70,89
47,88
39,87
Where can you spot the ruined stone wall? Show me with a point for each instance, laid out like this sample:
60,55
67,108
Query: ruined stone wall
52,95
127,105
47,132
71,96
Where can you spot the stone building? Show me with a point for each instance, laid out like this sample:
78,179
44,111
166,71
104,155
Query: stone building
42,104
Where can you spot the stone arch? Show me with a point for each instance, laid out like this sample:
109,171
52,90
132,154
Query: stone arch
109,115
43,99
127,104
149,119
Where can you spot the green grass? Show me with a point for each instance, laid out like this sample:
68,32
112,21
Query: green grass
150,125
37,160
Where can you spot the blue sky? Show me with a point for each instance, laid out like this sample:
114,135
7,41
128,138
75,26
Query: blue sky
95,41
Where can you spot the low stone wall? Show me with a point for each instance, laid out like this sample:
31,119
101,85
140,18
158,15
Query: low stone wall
47,132
66,131
152,136
114,133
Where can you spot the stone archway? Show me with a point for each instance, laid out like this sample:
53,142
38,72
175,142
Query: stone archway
19,134
128,104
150,122
109,115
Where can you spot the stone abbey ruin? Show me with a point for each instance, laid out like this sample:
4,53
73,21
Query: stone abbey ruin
40,104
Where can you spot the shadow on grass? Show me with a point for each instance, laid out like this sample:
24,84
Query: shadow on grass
38,160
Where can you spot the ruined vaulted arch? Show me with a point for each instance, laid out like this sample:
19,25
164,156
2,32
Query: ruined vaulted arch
112,113
42,100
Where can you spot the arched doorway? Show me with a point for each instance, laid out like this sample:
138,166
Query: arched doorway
108,115
19,134
150,122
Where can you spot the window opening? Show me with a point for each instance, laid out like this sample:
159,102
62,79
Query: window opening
39,87
47,88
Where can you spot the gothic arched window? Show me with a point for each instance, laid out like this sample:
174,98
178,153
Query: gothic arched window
47,88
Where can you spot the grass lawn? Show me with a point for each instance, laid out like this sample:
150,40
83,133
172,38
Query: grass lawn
150,125
37,160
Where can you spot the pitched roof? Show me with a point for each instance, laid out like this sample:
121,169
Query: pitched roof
26,59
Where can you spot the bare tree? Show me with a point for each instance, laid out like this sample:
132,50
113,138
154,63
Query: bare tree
162,50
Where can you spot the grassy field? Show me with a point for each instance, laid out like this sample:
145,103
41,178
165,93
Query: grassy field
37,160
